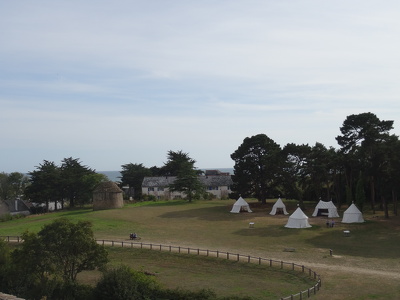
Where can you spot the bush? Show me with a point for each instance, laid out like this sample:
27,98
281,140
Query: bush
73,291
124,283
6,217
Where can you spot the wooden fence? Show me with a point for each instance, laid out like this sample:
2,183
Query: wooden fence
219,254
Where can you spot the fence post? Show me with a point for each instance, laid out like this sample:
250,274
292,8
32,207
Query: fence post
259,260
281,264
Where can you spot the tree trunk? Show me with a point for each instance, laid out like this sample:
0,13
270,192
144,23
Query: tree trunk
394,198
372,185
385,207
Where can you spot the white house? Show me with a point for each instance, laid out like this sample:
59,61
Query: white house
219,186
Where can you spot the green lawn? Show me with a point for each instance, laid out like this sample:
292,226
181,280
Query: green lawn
364,265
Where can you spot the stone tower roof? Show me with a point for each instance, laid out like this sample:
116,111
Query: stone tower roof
107,187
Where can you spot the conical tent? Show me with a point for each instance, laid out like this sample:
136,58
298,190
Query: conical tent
352,215
240,205
278,207
326,209
298,220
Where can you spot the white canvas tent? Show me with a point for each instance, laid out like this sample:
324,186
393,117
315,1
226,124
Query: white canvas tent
352,215
240,205
324,208
298,220
278,207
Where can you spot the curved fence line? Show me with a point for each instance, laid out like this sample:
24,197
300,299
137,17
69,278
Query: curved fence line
219,254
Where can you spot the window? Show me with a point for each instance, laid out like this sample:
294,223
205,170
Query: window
150,189
160,189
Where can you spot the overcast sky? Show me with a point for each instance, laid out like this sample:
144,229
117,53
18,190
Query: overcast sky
117,82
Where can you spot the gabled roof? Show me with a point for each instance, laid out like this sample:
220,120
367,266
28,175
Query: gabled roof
164,181
160,181
221,180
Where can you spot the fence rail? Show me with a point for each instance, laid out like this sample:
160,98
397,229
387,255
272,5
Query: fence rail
11,238
219,254
230,256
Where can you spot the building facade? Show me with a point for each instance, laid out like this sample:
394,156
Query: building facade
218,185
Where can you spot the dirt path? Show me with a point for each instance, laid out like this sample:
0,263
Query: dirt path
347,269
318,267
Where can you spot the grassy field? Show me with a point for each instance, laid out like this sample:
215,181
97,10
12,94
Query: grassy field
363,266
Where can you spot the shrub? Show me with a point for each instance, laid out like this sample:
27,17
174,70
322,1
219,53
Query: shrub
124,283
6,217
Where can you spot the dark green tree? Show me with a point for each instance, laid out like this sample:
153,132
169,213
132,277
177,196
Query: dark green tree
259,162
295,172
187,181
362,137
391,170
321,169
49,261
77,181
5,190
123,283
181,165
5,265
45,184
12,185
133,175
61,249
177,160
360,193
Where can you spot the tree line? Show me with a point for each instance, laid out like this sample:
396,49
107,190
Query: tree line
69,182
365,169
